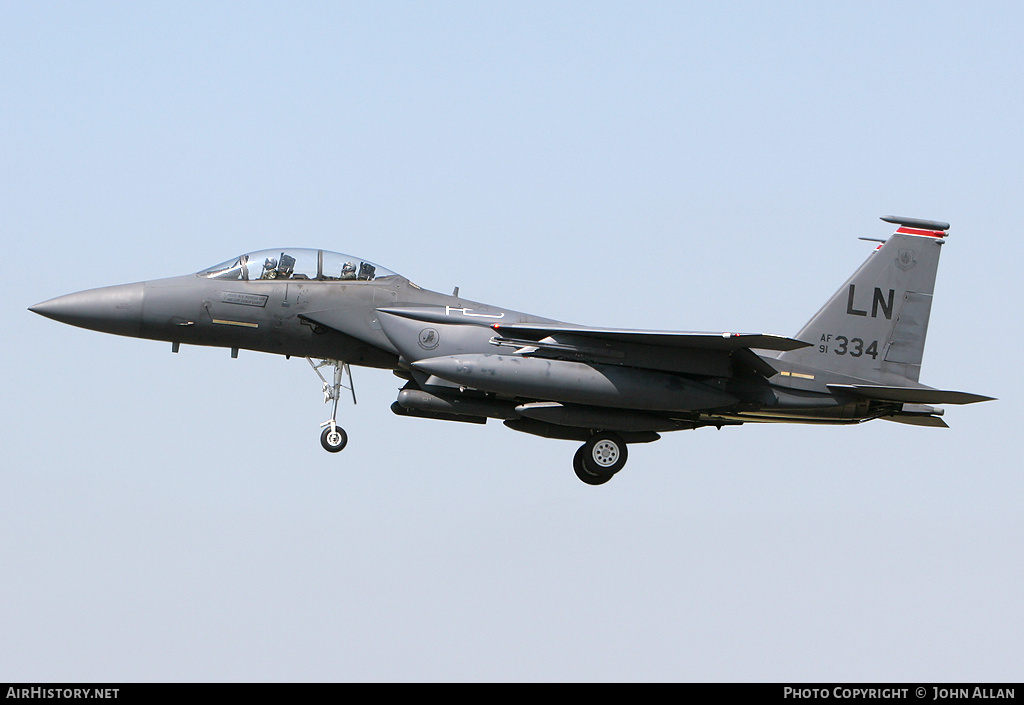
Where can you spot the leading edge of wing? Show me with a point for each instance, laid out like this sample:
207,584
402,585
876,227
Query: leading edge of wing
706,341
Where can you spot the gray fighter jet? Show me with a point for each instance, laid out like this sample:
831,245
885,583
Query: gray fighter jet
859,357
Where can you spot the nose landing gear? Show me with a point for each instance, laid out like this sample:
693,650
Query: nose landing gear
333,438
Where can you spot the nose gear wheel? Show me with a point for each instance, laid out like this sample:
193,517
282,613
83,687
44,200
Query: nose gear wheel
334,439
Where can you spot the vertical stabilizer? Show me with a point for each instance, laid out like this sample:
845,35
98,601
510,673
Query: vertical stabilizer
874,327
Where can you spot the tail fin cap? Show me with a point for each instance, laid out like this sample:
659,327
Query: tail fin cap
934,225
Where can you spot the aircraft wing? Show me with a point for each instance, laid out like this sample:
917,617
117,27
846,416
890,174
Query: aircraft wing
917,420
711,354
723,342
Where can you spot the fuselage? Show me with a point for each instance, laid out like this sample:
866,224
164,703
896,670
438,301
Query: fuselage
447,343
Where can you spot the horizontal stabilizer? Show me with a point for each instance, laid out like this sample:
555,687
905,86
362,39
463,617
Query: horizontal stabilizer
907,395
917,420
726,342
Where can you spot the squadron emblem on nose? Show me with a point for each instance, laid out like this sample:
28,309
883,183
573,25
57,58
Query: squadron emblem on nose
429,339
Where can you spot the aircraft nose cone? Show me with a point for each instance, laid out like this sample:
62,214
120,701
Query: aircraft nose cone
112,309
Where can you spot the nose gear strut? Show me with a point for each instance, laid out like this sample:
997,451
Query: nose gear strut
333,438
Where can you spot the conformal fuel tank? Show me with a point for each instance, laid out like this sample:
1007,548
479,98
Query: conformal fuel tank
576,382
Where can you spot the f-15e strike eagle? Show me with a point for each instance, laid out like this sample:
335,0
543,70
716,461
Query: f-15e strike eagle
857,359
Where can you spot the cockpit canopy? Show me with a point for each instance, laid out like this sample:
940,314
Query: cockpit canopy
297,263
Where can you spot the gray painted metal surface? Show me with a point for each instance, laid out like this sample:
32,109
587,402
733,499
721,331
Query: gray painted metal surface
859,358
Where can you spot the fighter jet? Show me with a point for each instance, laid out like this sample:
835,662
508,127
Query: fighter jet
857,359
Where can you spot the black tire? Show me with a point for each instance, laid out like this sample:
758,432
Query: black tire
584,474
604,454
339,441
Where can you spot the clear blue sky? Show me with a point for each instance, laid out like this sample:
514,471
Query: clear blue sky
692,166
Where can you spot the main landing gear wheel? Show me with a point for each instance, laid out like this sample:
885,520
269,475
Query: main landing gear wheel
603,455
334,440
584,474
